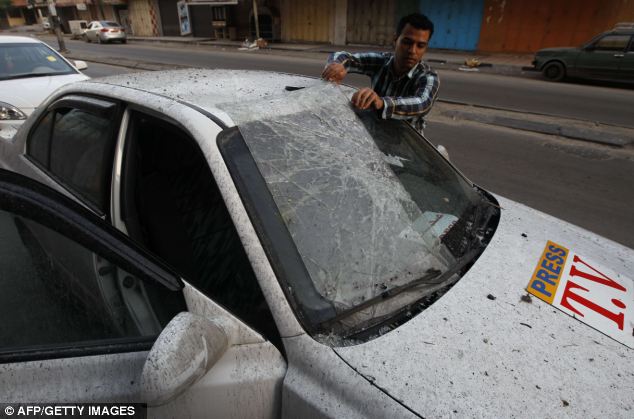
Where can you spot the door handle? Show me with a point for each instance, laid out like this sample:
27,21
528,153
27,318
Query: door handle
619,55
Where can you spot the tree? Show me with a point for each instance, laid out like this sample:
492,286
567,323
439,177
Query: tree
5,4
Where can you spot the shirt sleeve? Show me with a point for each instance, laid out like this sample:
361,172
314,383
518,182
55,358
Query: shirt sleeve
367,63
416,106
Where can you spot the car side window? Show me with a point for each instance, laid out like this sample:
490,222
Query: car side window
172,205
56,294
612,43
76,147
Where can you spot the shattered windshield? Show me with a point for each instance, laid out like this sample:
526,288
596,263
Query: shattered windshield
369,204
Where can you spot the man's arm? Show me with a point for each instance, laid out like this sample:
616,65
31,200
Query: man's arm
362,62
342,62
418,105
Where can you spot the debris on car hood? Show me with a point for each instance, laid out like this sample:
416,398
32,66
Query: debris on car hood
480,356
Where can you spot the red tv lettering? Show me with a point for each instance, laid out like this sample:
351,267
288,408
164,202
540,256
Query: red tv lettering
605,280
568,294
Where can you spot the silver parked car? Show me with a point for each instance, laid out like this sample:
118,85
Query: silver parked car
322,263
104,31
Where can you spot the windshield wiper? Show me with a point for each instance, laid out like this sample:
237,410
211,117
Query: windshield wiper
26,75
433,276
429,278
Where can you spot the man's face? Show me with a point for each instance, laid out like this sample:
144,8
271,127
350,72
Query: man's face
410,46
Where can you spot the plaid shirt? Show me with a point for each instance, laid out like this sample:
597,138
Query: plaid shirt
408,97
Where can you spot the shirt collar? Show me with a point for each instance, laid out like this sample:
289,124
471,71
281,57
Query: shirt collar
410,74
413,70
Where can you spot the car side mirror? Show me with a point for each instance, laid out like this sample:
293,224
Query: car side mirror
588,48
80,65
186,349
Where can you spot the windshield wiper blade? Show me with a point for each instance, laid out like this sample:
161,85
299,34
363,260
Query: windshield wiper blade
429,278
28,75
434,276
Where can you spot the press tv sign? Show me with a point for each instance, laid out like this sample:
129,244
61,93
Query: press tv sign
586,291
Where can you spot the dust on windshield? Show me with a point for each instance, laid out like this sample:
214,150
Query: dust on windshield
367,202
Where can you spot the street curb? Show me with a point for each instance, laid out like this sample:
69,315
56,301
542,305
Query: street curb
531,113
601,134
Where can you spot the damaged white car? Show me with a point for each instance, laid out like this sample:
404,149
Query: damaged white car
245,244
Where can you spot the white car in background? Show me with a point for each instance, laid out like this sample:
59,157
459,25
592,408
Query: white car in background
103,32
326,263
30,70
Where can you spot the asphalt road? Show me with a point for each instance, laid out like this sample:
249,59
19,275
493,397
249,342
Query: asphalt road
581,100
585,184
587,101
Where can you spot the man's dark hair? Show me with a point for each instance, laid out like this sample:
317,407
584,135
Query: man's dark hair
418,21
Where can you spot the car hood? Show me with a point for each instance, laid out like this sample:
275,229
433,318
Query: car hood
27,93
482,351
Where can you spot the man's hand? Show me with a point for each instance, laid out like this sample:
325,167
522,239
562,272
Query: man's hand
366,98
334,72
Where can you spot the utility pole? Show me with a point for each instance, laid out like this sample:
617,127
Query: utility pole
56,25
103,15
255,16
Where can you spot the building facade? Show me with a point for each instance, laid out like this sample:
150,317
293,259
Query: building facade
471,25
23,12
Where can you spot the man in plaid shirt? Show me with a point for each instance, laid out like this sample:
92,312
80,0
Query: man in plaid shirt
403,86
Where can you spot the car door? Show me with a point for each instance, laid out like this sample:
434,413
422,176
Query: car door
166,198
55,348
626,69
72,147
602,58
96,27
89,32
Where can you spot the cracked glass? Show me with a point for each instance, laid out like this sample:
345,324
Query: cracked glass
369,204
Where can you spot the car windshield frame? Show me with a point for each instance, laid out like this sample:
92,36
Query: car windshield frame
411,267
12,59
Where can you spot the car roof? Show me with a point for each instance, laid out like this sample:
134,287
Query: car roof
208,88
11,39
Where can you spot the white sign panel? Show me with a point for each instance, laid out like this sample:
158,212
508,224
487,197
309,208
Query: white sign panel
183,18
587,291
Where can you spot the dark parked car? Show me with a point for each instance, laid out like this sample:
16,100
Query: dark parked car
609,56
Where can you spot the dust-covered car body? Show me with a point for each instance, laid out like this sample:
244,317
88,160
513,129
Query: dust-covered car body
390,285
